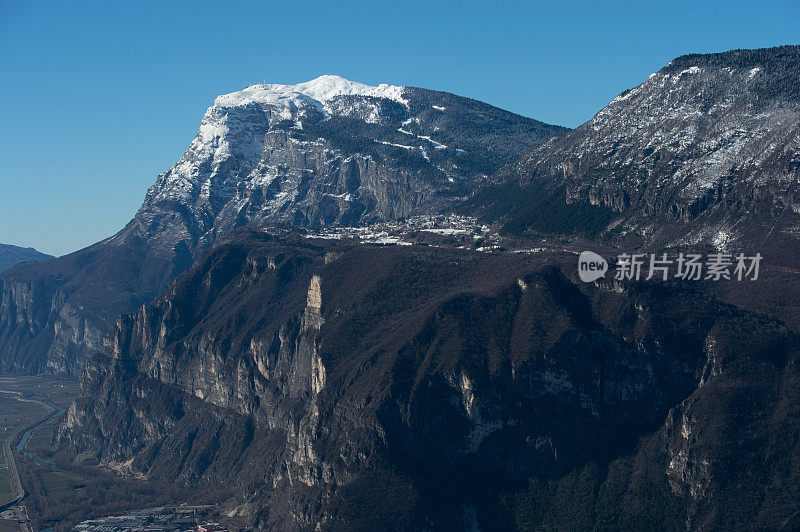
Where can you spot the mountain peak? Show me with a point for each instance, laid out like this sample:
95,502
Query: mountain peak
318,90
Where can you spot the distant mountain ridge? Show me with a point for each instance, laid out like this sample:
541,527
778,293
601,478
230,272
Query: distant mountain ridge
326,152
11,255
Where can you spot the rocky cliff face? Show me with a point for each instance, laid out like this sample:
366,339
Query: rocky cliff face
333,151
326,152
338,387
54,314
705,151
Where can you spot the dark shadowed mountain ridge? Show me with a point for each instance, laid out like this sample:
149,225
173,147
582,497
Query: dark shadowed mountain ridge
349,387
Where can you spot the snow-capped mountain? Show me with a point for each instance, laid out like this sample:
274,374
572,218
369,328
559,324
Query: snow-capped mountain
705,151
331,151
325,152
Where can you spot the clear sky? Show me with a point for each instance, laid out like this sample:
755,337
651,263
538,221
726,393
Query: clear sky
98,98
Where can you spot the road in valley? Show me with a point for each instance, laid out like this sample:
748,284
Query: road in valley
23,432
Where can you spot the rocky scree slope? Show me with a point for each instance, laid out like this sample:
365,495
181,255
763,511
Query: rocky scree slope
329,151
335,387
705,152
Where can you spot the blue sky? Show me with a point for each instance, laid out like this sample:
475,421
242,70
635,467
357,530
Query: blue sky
98,98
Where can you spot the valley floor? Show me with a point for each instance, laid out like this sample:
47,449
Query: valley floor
28,408
58,492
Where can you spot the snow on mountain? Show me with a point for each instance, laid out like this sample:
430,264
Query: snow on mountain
326,152
316,92
708,143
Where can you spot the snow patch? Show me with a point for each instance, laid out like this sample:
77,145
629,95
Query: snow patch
436,145
622,96
396,145
343,196
690,70
721,240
